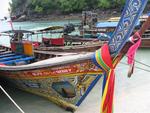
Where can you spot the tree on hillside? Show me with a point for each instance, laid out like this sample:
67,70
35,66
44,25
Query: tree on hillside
91,4
43,6
72,5
66,6
106,4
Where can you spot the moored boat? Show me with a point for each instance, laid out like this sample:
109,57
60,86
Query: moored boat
67,80
63,80
108,27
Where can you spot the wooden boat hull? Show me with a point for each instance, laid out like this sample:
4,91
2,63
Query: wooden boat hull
145,38
91,47
63,79
64,83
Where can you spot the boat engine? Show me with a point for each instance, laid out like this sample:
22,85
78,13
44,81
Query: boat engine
68,28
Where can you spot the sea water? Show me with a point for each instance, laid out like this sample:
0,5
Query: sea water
33,26
131,94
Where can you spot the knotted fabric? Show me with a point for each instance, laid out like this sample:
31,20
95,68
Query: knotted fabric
102,59
132,51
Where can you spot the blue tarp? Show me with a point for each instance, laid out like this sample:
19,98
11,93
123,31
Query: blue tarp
106,24
17,60
109,24
11,58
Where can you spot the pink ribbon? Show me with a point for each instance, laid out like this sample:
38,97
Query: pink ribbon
132,50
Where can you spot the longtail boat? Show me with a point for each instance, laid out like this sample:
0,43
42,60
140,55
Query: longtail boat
68,43
64,41
108,27
67,80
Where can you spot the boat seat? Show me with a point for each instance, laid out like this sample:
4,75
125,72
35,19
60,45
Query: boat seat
11,58
2,50
6,52
26,59
7,55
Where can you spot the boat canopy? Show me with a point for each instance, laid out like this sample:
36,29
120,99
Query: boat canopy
51,28
18,31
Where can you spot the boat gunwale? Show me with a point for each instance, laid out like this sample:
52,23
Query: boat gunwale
56,61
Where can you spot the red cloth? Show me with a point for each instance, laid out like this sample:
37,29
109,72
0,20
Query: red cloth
54,41
13,46
105,61
57,41
35,44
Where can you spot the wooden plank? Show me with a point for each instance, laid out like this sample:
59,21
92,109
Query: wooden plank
2,50
6,52
54,53
79,48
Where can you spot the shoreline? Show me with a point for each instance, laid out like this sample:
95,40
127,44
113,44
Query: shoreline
102,16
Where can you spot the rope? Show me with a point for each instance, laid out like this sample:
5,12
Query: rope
137,67
139,62
11,99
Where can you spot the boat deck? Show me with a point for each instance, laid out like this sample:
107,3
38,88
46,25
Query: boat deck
10,58
54,53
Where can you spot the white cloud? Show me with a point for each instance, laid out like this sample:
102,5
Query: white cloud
4,5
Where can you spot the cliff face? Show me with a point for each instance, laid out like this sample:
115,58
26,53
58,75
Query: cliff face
31,9
18,9
39,8
55,9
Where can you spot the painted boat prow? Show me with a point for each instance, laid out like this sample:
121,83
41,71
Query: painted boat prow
67,80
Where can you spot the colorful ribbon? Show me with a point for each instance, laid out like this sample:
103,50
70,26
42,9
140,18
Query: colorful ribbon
132,50
102,59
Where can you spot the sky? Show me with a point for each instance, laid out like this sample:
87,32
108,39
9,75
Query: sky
4,5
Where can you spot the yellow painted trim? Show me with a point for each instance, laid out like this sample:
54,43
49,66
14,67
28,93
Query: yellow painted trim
56,76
